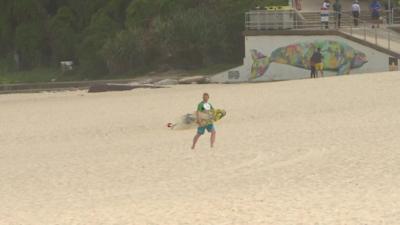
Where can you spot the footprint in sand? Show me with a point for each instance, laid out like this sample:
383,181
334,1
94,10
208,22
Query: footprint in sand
278,158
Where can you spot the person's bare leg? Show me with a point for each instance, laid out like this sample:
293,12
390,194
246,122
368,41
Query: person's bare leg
322,73
212,139
195,139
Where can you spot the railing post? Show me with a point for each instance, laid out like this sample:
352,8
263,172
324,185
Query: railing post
365,31
389,39
391,16
245,21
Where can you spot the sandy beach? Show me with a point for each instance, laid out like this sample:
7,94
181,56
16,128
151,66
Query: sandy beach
304,152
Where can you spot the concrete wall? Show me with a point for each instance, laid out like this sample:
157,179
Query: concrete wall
271,58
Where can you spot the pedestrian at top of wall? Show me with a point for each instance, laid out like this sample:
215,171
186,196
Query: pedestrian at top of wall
355,6
325,15
355,10
375,8
326,4
337,7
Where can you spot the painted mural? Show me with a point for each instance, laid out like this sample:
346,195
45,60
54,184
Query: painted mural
338,57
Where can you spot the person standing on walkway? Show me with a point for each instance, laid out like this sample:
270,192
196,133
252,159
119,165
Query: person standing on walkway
326,4
325,14
356,10
375,8
337,7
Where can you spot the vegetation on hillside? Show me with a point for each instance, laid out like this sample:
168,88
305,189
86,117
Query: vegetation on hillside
107,38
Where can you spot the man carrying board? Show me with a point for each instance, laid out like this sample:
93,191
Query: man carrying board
204,107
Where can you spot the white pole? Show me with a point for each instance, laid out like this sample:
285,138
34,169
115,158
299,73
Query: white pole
390,11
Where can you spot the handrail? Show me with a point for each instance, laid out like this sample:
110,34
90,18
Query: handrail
367,31
293,20
390,17
395,15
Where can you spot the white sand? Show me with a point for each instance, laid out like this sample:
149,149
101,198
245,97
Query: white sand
324,151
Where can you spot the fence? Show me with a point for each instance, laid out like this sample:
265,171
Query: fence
374,32
395,16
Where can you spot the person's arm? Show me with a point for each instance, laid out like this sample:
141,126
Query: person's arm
198,117
198,113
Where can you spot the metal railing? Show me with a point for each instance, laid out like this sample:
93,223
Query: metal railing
293,19
395,16
282,20
374,32
270,20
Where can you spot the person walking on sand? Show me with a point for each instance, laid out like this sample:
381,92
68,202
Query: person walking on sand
316,58
355,10
204,107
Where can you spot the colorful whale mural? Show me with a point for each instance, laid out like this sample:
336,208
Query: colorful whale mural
338,57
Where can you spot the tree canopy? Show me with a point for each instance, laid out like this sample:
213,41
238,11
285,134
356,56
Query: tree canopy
108,37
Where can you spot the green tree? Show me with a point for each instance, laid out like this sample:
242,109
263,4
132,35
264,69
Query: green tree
85,10
29,44
52,6
141,13
124,52
116,9
27,22
63,35
232,13
149,32
194,37
101,28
